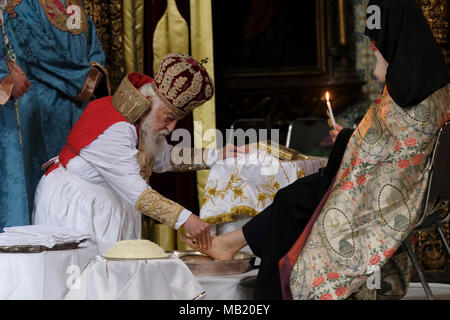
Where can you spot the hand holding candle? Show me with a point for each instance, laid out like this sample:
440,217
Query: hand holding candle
330,111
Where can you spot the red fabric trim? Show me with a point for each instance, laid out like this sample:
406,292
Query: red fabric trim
288,261
139,79
51,168
98,116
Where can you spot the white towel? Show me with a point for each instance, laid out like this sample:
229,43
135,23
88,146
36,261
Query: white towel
41,235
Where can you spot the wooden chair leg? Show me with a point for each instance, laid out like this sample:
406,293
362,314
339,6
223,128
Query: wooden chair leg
422,278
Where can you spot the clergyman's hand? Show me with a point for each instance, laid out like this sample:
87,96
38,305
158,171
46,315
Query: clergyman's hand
232,151
21,82
199,231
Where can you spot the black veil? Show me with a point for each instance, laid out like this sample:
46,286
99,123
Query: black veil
416,63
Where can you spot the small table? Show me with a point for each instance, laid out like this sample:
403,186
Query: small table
229,287
153,279
41,276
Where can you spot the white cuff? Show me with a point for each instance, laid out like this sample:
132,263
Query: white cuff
182,218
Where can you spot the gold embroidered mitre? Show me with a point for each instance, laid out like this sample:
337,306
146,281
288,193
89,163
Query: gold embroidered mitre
156,206
182,83
128,100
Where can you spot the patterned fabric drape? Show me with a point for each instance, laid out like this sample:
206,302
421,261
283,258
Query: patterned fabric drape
107,16
202,47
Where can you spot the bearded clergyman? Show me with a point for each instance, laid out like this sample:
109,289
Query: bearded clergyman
99,182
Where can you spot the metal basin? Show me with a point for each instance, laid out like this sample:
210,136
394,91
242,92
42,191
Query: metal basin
203,265
39,249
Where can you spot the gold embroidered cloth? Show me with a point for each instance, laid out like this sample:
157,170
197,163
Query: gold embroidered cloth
156,206
246,185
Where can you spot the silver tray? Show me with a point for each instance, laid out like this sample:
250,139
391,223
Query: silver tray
203,265
38,249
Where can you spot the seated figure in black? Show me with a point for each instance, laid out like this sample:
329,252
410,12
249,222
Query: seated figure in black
274,230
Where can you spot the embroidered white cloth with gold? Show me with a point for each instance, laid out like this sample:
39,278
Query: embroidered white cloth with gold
242,187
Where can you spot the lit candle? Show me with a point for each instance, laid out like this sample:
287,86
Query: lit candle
330,111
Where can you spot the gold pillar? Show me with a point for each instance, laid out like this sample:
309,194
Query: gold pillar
171,35
202,47
133,35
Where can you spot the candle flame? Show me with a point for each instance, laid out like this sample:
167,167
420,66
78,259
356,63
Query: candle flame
327,95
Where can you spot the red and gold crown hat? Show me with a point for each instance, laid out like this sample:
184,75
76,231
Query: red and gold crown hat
182,83
128,100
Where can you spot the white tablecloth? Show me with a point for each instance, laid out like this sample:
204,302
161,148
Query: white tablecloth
244,186
41,276
239,188
229,287
155,279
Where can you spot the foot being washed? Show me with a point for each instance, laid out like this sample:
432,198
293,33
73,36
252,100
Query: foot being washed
224,247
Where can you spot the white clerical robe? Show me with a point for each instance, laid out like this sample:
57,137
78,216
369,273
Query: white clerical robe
98,190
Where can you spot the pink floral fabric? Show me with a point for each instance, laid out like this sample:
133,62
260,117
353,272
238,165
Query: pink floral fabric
375,200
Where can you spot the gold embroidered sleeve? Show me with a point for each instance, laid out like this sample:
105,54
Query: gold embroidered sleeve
189,159
156,206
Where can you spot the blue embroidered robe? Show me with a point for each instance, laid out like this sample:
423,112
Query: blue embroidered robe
13,201
57,63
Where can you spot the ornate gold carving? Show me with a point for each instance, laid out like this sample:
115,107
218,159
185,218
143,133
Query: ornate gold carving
436,14
281,152
130,102
107,17
156,206
192,164
58,16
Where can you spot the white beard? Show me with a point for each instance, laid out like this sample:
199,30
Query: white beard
151,141
381,67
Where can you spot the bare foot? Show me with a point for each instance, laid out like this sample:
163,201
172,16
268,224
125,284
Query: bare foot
224,247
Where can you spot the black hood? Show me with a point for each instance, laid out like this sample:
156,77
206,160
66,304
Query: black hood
416,63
